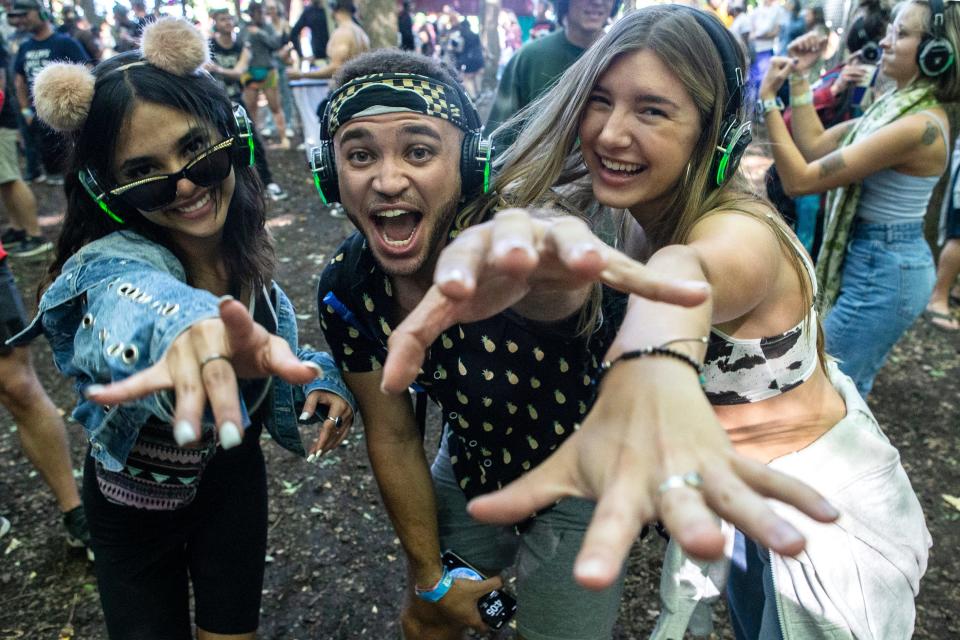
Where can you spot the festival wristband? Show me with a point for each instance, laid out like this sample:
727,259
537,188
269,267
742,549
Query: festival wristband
802,99
438,590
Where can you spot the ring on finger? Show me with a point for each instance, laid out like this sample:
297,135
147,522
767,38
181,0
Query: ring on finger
690,479
337,422
210,358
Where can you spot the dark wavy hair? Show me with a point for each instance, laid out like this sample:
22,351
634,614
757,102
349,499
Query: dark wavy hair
247,248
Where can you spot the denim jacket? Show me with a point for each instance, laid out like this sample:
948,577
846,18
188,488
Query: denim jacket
114,310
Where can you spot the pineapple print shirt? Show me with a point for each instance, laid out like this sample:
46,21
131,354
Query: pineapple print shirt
511,390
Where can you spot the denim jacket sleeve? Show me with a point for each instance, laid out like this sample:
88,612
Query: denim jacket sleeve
116,307
288,399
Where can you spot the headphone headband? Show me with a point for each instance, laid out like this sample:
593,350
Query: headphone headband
726,46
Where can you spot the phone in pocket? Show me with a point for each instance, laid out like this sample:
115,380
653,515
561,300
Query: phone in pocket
497,607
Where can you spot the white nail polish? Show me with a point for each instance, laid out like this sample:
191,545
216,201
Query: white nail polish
304,416
183,433
229,435
311,457
453,275
94,388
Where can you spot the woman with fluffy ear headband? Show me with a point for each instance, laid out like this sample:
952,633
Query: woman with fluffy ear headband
161,306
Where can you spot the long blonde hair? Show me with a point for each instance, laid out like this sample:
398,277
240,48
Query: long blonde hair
546,155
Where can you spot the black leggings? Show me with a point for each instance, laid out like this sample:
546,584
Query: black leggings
145,558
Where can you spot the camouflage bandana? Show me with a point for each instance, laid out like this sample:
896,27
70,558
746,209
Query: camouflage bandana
396,93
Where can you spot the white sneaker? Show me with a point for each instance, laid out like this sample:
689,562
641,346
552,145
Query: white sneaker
289,132
275,192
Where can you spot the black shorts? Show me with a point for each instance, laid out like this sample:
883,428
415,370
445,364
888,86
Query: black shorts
953,222
218,542
13,318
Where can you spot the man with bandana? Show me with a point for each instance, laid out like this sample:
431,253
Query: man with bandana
510,389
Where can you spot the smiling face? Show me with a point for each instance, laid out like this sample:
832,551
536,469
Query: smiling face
637,133
588,16
156,140
899,61
399,183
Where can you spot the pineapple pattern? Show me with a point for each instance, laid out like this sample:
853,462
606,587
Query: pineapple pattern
511,390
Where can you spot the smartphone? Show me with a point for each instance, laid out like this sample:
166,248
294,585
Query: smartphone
497,607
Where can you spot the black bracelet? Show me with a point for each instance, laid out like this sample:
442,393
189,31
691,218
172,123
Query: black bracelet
661,350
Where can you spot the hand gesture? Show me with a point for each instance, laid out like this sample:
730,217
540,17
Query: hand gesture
655,451
493,266
202,365
777,73
806,50
333,428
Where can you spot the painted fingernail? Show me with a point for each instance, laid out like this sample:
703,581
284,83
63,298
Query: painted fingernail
311,457
93,389
591,568
229,435
829,510
315,367
579,251
183,433
785,535
304,416
696,285
226,298
452,275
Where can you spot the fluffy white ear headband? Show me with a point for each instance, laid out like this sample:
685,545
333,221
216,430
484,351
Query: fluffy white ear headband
63,92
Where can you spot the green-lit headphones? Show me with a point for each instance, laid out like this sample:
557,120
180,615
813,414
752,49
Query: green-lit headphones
476,152
735,135
242,148
935,54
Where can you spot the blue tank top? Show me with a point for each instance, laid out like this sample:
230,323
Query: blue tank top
892,197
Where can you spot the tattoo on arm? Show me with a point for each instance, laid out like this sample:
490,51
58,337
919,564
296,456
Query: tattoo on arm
831,164
929,135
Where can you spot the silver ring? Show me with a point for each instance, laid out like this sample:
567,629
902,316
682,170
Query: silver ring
337,422
210,358
690,479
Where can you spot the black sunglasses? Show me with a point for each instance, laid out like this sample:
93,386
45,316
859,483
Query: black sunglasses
207,169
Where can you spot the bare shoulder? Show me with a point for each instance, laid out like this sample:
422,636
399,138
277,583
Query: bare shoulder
749,216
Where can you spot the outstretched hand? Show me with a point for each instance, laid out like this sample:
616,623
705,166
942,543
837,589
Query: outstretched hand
541,264
634,439
203,364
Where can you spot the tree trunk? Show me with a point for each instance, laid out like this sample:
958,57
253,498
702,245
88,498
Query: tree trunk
380,22
490,35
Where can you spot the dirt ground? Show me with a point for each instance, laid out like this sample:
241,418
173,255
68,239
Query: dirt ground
335,568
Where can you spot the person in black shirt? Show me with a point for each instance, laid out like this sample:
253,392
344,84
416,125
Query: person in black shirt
44,46
229,60
314,18
405,28
511,388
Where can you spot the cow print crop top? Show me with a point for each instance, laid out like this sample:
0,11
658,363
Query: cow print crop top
740,371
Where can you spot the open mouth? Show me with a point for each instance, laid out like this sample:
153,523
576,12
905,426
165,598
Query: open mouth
397,227
194,206
621,168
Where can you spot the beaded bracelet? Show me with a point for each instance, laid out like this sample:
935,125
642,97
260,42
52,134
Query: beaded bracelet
660,350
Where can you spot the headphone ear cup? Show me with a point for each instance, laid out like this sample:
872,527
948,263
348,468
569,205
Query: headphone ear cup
325,172
476,155
245,149
935,56
734,141
97,193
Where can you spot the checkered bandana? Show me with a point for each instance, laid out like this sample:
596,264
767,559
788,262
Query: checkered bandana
396,92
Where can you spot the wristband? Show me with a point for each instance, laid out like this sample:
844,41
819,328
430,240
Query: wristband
26,112
766,106
437,591
804,98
